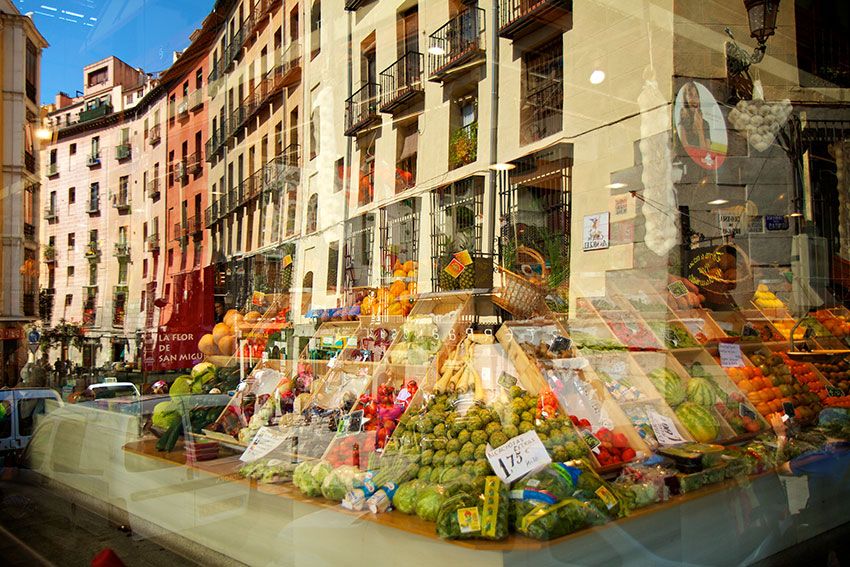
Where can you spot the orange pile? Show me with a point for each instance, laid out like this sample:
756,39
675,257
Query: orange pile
835,324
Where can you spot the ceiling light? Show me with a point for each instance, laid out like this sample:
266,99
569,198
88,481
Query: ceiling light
616,185
793,215
436,50
718,202
502,166
597,76
43,134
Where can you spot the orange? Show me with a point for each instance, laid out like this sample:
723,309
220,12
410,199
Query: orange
397,288
252,316
409,266
227,345
208,346
221,330
232,318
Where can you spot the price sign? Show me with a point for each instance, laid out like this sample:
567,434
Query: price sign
665,430
264,442
677,289
730,355
834,392
522,454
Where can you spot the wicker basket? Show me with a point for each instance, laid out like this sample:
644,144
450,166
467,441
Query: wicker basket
521,297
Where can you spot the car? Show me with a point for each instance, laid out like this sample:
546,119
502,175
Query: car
21,407
111,389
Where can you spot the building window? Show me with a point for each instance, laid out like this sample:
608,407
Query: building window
98,76
313,213
71,240
408,148
463,136
199,79
31,70
339,174
333,266
823,51
70,273
72,149
306,292
366,182
72,195
315,133
315,29
542,102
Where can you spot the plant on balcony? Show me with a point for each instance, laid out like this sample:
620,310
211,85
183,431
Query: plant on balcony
49,253
463,146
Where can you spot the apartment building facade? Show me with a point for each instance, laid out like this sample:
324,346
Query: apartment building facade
21,46
103,203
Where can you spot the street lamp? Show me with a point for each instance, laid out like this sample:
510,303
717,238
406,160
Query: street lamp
761,16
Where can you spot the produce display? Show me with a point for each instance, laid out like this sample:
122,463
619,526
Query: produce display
766,299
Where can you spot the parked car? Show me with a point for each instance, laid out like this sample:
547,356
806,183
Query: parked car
20,409
108,389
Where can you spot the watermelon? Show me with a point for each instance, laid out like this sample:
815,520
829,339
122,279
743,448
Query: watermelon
702,392
699,421
669,385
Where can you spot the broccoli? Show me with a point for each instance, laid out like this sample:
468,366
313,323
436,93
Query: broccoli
511,431
479,437
452,445
480,451
438,458
492,428
452,459
439,430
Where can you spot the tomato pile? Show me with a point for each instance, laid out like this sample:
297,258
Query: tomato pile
614,448
805,374
381,412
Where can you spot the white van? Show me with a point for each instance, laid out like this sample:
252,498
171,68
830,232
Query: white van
20,409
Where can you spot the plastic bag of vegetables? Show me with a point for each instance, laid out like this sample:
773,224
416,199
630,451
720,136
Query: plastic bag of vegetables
404,499
428,502
309,476
339,481
471,514
591,488
547,521
549,485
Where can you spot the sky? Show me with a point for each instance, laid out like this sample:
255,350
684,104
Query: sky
143,33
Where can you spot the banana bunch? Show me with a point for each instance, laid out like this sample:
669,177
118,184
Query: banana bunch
458,374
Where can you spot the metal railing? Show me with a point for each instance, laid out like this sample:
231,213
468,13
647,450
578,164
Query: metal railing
92,249
361,108
121,201
50,212
153,188
183,107
122,249
458,41
123,151
51,169
194,225
153,242
93,205
196,99
194,163
95,112
180,230
401,80
518,17
93,159
155,134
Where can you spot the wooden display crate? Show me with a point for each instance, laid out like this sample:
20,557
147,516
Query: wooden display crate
702,321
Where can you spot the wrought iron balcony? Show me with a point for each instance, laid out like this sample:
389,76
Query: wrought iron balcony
401,82
180,230
51,169
155,134
93,159
183,108
93,205
123,151
121,200
233,51
195,226
216,141
361,109
177,172
153,188
291,65
459,42
354,5
122,250
194,163
253,186
49,254
95,112
153,242
518,18
50,213
92,250
237,120
209,215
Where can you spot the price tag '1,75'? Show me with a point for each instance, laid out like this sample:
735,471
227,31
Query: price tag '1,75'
522,454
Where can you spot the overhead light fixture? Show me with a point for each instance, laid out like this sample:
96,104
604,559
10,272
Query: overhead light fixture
761,16
794,215
597,76
502,166
436,50
718,202
43,134
617,185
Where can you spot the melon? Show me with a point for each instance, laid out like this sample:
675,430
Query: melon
232,318
699,421
252,316
208,346
702,392
221,330
669,385
227,345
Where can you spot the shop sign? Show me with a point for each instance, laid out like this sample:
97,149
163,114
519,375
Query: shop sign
730,223
700,125
596,233
756,225
776,222
177,349
11,333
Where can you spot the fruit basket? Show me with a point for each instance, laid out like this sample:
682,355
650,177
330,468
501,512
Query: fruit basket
519,296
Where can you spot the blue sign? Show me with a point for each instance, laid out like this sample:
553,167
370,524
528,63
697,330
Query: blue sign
33,336
776,222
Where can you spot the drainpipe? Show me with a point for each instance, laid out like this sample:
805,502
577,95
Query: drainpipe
494,121
349,140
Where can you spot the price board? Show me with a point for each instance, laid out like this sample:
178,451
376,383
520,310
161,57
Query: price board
519,456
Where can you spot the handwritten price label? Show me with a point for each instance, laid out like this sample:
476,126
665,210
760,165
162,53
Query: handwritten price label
665,430
519,456
730,355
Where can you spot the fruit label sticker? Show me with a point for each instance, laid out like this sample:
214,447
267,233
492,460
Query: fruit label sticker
730,355
522,454
677,289
665,430
264,442
834,392
468,520
605,495
455,268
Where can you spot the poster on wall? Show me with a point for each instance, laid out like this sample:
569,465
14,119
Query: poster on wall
700,125
595,235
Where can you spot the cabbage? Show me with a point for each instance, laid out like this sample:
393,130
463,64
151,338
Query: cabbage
428,503
309,475
165,415
404,499
339,482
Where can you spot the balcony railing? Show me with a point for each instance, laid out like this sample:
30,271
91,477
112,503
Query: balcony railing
123,151
52,169
353,5
292,155
194,225
180,231
209,215
291,65
92,250
121,200
177,172
216,141
237,119
95,112
153,188
50,213
459,42
215,72
518,18
153,242
194,163
234,49
183,108
155,134
401,82
93,205
196,99
29,232
361,109
29,162
122,250
93,159
253,186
